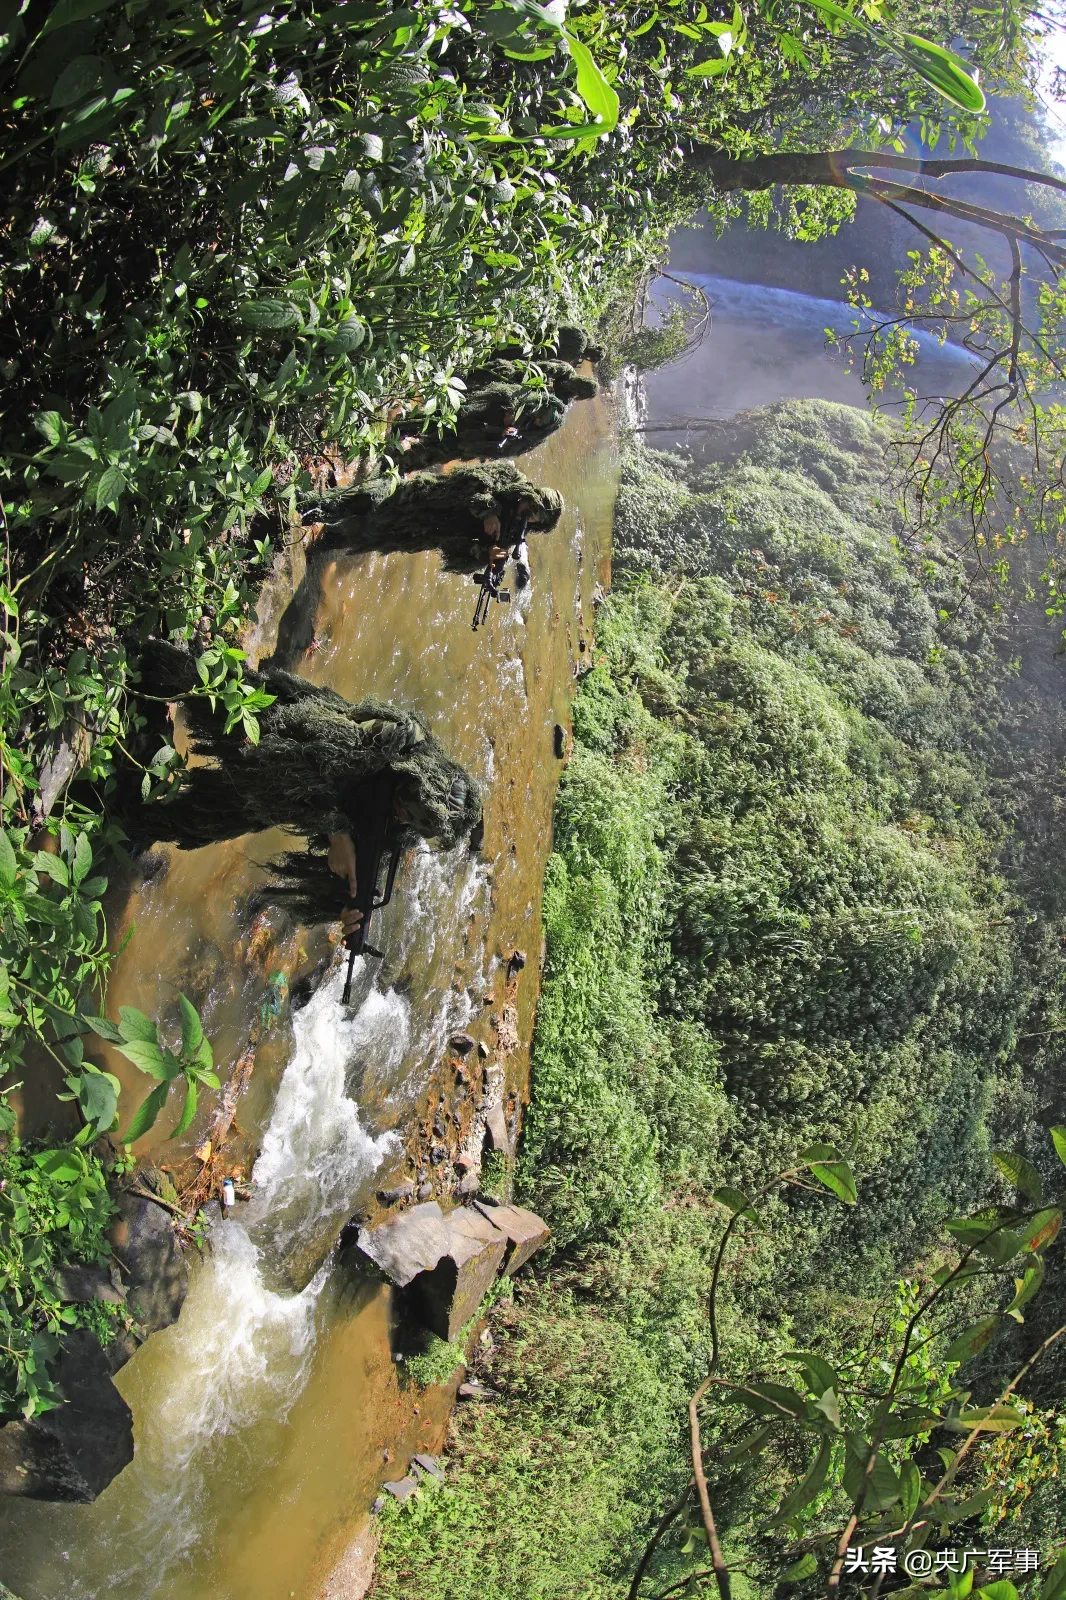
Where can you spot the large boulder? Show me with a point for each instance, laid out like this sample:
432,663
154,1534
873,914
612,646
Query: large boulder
154,1271
73,1452
449,1262
524,1231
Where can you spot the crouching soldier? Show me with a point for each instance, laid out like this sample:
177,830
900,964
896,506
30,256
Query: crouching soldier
323,768
501,419
468,513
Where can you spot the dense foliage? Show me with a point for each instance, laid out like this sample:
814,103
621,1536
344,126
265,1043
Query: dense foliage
799,893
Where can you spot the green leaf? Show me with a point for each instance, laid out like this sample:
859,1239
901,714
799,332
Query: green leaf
820,1374
973,1340
77,79
1027,1285
1021,1173
135,1025
805,1567
910,1488
882,1488
61,1165
192,1033
1058,1139
348,335
807,1488
64,12
270,315
8,862
188,1110
105,1029
147,1056
751,1444
97,1095
1002,1589
592,86
993,1419
109,488
50,425
820,1152
146,1113
906,1427
946,72
770,1400
838,1176
83,859
735,1202
1054,1585
713,69
1041,1230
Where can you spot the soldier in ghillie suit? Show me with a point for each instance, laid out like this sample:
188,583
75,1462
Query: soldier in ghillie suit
564,382
500,419
465,512
311,773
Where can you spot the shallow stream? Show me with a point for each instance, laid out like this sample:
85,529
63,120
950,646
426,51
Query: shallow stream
263,1416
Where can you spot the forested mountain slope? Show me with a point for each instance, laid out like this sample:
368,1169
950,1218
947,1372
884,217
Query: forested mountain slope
803,889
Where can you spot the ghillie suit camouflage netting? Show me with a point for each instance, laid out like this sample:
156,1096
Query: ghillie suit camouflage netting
435,510
481,427
314,750
564,382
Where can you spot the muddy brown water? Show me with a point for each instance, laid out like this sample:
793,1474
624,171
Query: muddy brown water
263,1417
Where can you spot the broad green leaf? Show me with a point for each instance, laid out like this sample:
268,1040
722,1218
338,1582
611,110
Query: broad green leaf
77,79
348,335
8,862
1041,1230
55,867
83,858
820,1374
270,315
1054,1585
1028,1284
837,1176
147,1056
829,1405
105,1029
592,86
61,1165
188,1110
710,69
882,1487
809,1486
133,1024
907,1427
192,1033
1021,1173
751,1444
50,425
946,72
734,1202
1002,1589
65,12
838,14
973,1341
910,1488
771,1400
993,1419
820,1152
146,1113
805,1567
1058,1139
109,489
97,1094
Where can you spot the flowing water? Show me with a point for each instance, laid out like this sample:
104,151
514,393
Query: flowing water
263,1416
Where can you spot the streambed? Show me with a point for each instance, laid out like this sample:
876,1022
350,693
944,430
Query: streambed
263,1417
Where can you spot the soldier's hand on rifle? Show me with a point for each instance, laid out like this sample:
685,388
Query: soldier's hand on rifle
341,859
350,920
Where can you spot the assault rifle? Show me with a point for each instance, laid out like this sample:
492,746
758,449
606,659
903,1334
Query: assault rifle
492,577
378,848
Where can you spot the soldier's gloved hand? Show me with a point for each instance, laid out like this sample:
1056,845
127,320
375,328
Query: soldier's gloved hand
350,920
341,859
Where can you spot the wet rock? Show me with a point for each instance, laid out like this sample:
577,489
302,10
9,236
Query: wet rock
78,1285
408,1244
430,1466
398,1192
425,1191
524,1231
482,1049
73,1452
402,1488
438,1154
473,1389
439,1127
469,1185
461,1043
378,1506
153,1267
